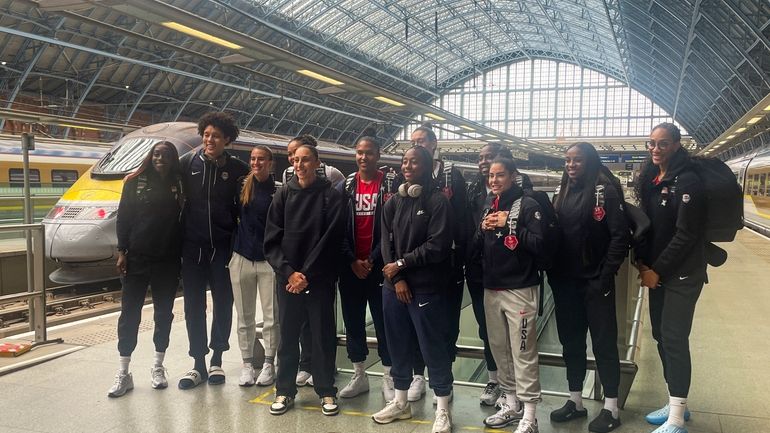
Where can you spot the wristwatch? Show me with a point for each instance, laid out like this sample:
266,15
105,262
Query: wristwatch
400,263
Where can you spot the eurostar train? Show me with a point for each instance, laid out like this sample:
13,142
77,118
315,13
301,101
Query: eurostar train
80,229
753,174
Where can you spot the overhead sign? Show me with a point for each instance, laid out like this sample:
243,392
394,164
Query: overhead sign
634,157
607,158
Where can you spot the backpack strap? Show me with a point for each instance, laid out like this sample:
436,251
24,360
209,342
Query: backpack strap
141,184
513,215
599,195
350,184
186,161
448,174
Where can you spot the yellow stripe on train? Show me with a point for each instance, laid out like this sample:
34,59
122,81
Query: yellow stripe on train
88,189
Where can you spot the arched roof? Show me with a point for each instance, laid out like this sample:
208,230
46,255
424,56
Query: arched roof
705,61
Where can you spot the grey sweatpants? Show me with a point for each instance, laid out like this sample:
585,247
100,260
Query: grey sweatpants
512,330
251,279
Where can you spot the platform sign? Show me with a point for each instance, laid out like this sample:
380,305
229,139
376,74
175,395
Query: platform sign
609,158
634,157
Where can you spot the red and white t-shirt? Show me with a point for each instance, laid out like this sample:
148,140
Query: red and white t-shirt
366,206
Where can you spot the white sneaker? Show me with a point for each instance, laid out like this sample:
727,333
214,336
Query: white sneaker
501,400
159,380
416,388
388,388
451,397
391,412
503,418
443,422
526,426
310,381
267,375
358,384
247,375
124,382
490,394
303,377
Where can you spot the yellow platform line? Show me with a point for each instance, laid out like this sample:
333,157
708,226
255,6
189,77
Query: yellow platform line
260,399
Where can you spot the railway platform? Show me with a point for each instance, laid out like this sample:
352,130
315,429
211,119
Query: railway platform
68,393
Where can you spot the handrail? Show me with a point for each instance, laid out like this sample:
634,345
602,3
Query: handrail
36,292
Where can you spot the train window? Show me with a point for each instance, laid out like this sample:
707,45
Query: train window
762,184
125,156
63,177
16,177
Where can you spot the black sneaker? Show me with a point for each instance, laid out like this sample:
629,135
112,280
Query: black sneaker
568,412
604,422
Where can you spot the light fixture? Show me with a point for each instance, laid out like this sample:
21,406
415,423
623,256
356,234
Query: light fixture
389,101
523,145
127,86
3,63
490,135
739,130
730,137
767,108
723,142
200,35
434,116
754,120
320,77
68,125
508,141
467,128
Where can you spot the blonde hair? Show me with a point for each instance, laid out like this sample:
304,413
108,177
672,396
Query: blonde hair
249,183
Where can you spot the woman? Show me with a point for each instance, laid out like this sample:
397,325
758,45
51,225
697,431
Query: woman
149,242
595,240
416,243
672,263
511,232
361,274
302,242
250,273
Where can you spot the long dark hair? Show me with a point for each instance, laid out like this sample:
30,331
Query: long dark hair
174,170
595,173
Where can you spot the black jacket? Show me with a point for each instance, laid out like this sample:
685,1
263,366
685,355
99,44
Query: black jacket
304,231
513,269
675,245
591,248
349,245
148,221
211,209
459,205
418,230
250,234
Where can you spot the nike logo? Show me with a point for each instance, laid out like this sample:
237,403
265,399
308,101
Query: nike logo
420,304
196,172
684,278
420,212
608,293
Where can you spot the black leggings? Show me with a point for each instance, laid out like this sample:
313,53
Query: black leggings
672,308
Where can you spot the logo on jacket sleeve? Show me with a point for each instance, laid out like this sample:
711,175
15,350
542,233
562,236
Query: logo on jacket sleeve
225,175
537,215
685,198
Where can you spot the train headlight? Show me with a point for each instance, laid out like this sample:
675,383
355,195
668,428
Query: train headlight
55,212
97,213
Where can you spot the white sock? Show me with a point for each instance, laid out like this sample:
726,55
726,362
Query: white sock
492,376
611,404
247,364
512,401
577,398
401,397
442,403
124,361
529,411
358,367
676,408
386,370
159,357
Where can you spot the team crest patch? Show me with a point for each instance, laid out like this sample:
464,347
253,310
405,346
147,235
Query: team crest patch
225,175
511,242
537,215
598,213
685,198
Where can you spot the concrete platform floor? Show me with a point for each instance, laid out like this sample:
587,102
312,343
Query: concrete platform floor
68,394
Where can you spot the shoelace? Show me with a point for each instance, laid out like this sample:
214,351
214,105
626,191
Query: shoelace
442,417
490,388
158,373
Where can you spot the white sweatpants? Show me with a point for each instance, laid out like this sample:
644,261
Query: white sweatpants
249,279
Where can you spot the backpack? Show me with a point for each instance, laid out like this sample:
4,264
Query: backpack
552,230
724,199
638,222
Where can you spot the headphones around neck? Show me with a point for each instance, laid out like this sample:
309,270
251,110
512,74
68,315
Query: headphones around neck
406,190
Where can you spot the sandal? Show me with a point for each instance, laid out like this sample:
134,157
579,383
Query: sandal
191,379
216,375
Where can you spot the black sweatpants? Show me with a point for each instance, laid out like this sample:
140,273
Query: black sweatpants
162,275
421,323
672,308
201,268
306,348
354,295
476,290
314,306
582,305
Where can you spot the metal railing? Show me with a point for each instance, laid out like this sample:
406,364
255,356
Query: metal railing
35,295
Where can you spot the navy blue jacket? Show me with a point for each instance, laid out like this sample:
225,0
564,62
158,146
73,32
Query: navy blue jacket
250,233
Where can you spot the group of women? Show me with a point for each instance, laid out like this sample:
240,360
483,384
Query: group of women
396,236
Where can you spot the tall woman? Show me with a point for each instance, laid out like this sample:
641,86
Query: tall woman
149,243
302,242
672,263
416,243
595,239
250,273
512,235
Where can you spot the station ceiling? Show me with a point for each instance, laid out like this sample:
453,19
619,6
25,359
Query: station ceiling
707,62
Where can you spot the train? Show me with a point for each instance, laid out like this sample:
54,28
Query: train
80,228
753,174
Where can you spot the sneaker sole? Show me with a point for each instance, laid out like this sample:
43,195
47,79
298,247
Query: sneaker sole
484,403
266,383
330,412
398,418
160,386
246,384
279,411
657,420
503,425
116,395
577,415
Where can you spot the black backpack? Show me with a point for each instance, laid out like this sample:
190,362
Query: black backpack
552,233
724,199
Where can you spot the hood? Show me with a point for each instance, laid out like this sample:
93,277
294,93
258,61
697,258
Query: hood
319,184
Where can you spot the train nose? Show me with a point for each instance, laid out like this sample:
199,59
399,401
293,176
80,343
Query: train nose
80,241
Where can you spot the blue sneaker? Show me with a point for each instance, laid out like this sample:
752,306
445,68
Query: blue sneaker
670,428
658,417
